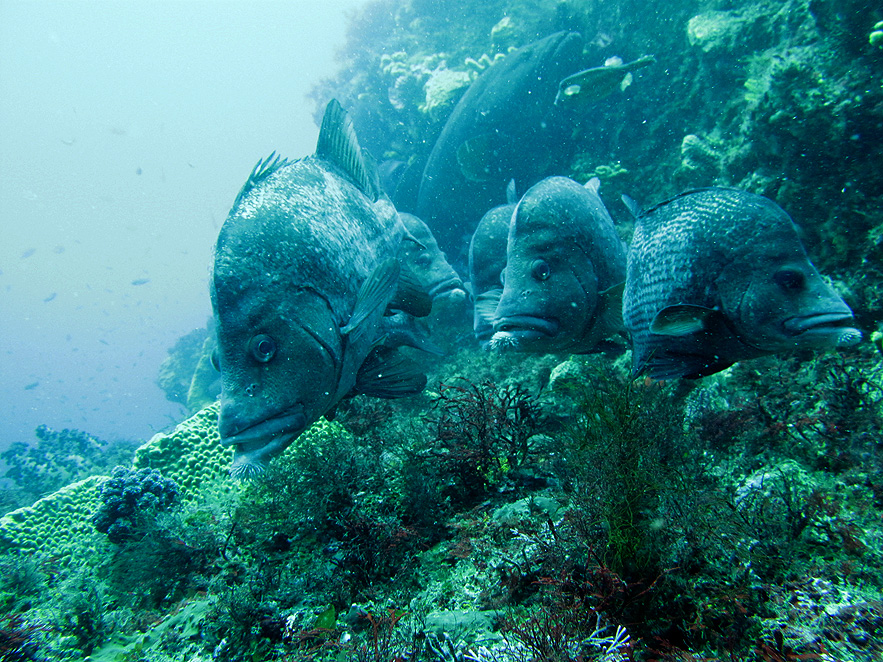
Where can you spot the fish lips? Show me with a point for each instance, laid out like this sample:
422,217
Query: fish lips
526,327
828,329
288,423
452,287
259,443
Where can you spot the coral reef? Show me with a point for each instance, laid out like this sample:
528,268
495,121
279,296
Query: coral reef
176,371
539,507
205,385
876,36
191,455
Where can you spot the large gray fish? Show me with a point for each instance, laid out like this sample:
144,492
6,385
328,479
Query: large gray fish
487,259
305,268
507,125
565,265
719,275
422,258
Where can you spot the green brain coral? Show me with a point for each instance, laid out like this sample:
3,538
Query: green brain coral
57,525
193,457
191,454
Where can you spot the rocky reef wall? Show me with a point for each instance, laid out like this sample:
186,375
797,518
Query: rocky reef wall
779,98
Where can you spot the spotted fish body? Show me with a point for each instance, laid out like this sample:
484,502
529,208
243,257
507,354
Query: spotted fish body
565,265
720,275
305,267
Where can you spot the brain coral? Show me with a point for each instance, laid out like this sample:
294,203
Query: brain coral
56,525
191,454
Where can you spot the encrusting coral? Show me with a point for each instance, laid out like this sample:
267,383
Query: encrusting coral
191,456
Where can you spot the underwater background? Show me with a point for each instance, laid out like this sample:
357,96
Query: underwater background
522,507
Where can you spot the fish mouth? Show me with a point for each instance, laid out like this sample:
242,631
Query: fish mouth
290,422
830,329
252,458
450,287
259,443
525,327
502,342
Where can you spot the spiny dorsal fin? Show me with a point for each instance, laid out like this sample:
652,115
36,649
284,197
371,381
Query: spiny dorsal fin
263,169
339,145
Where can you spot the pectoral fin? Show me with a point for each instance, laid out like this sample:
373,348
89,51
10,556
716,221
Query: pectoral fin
403,329
681,320
410,295
610,306
388,374
486,304
674,365
585,87
375,293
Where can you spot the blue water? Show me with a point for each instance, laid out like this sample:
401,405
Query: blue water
127,130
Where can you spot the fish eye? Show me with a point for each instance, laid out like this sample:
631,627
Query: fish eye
540,270
262,347
213,359
789,280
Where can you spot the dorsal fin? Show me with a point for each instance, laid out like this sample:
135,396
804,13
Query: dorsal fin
511,197
339,145
633,207
263,169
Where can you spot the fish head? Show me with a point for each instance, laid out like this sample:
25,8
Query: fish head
279,354
424,260
487,248
550,284
550,294
781,302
